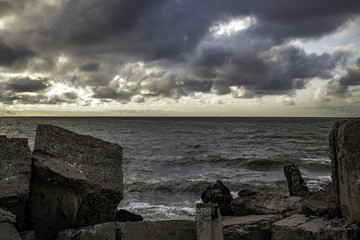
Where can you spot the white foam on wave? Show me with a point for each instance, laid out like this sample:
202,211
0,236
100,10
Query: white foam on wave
319,183
162,212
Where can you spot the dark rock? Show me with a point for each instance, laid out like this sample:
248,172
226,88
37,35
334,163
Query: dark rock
77,181
104,231
296,184
219,194
344,141
123,215
15,174
250,227
298,227
252,202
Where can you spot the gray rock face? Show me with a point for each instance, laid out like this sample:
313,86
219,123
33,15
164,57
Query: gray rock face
252,202
219,194
344,141
250,227
299,227
15,173
77,181
296,184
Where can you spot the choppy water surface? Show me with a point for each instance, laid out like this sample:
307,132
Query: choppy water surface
168,162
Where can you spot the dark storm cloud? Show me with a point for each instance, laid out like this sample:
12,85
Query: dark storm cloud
90,67
9,56
26,85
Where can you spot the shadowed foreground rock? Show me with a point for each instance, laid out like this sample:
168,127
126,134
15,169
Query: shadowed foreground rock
219,194
77,181
15,173
344,140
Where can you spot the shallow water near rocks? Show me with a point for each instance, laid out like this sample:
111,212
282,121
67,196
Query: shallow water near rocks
168,162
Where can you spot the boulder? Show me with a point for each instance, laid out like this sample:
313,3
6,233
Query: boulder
250,227
15,174
344,141
251,202
298,227
77,181
104,231
123,215
296,183
219,194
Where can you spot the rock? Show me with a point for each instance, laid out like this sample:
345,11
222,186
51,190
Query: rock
250,227
159,230
296,184
15,173
220,195
298,227
252,202
344,141
77,181
123,215
104,231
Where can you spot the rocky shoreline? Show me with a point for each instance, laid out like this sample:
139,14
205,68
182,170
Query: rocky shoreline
69,187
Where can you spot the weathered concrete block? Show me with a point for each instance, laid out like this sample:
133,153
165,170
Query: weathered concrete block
208,222
344,141
250,227
252,202
77,181
159,230
298,227
15,173
104,231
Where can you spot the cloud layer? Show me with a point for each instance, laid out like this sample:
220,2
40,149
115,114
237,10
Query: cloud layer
132,51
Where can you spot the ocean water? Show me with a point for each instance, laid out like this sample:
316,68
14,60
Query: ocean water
168,162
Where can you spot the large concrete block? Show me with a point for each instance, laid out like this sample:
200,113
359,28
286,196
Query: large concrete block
250,227
159,230
208,222
344,141
77,181
15,173
299,227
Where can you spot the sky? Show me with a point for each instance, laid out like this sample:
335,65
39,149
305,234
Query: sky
179,58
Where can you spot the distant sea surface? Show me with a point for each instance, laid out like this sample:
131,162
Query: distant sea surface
168,162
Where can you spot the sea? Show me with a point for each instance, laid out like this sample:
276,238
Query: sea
169,161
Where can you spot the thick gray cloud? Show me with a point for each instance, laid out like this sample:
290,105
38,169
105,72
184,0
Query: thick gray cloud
10,56
105,39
